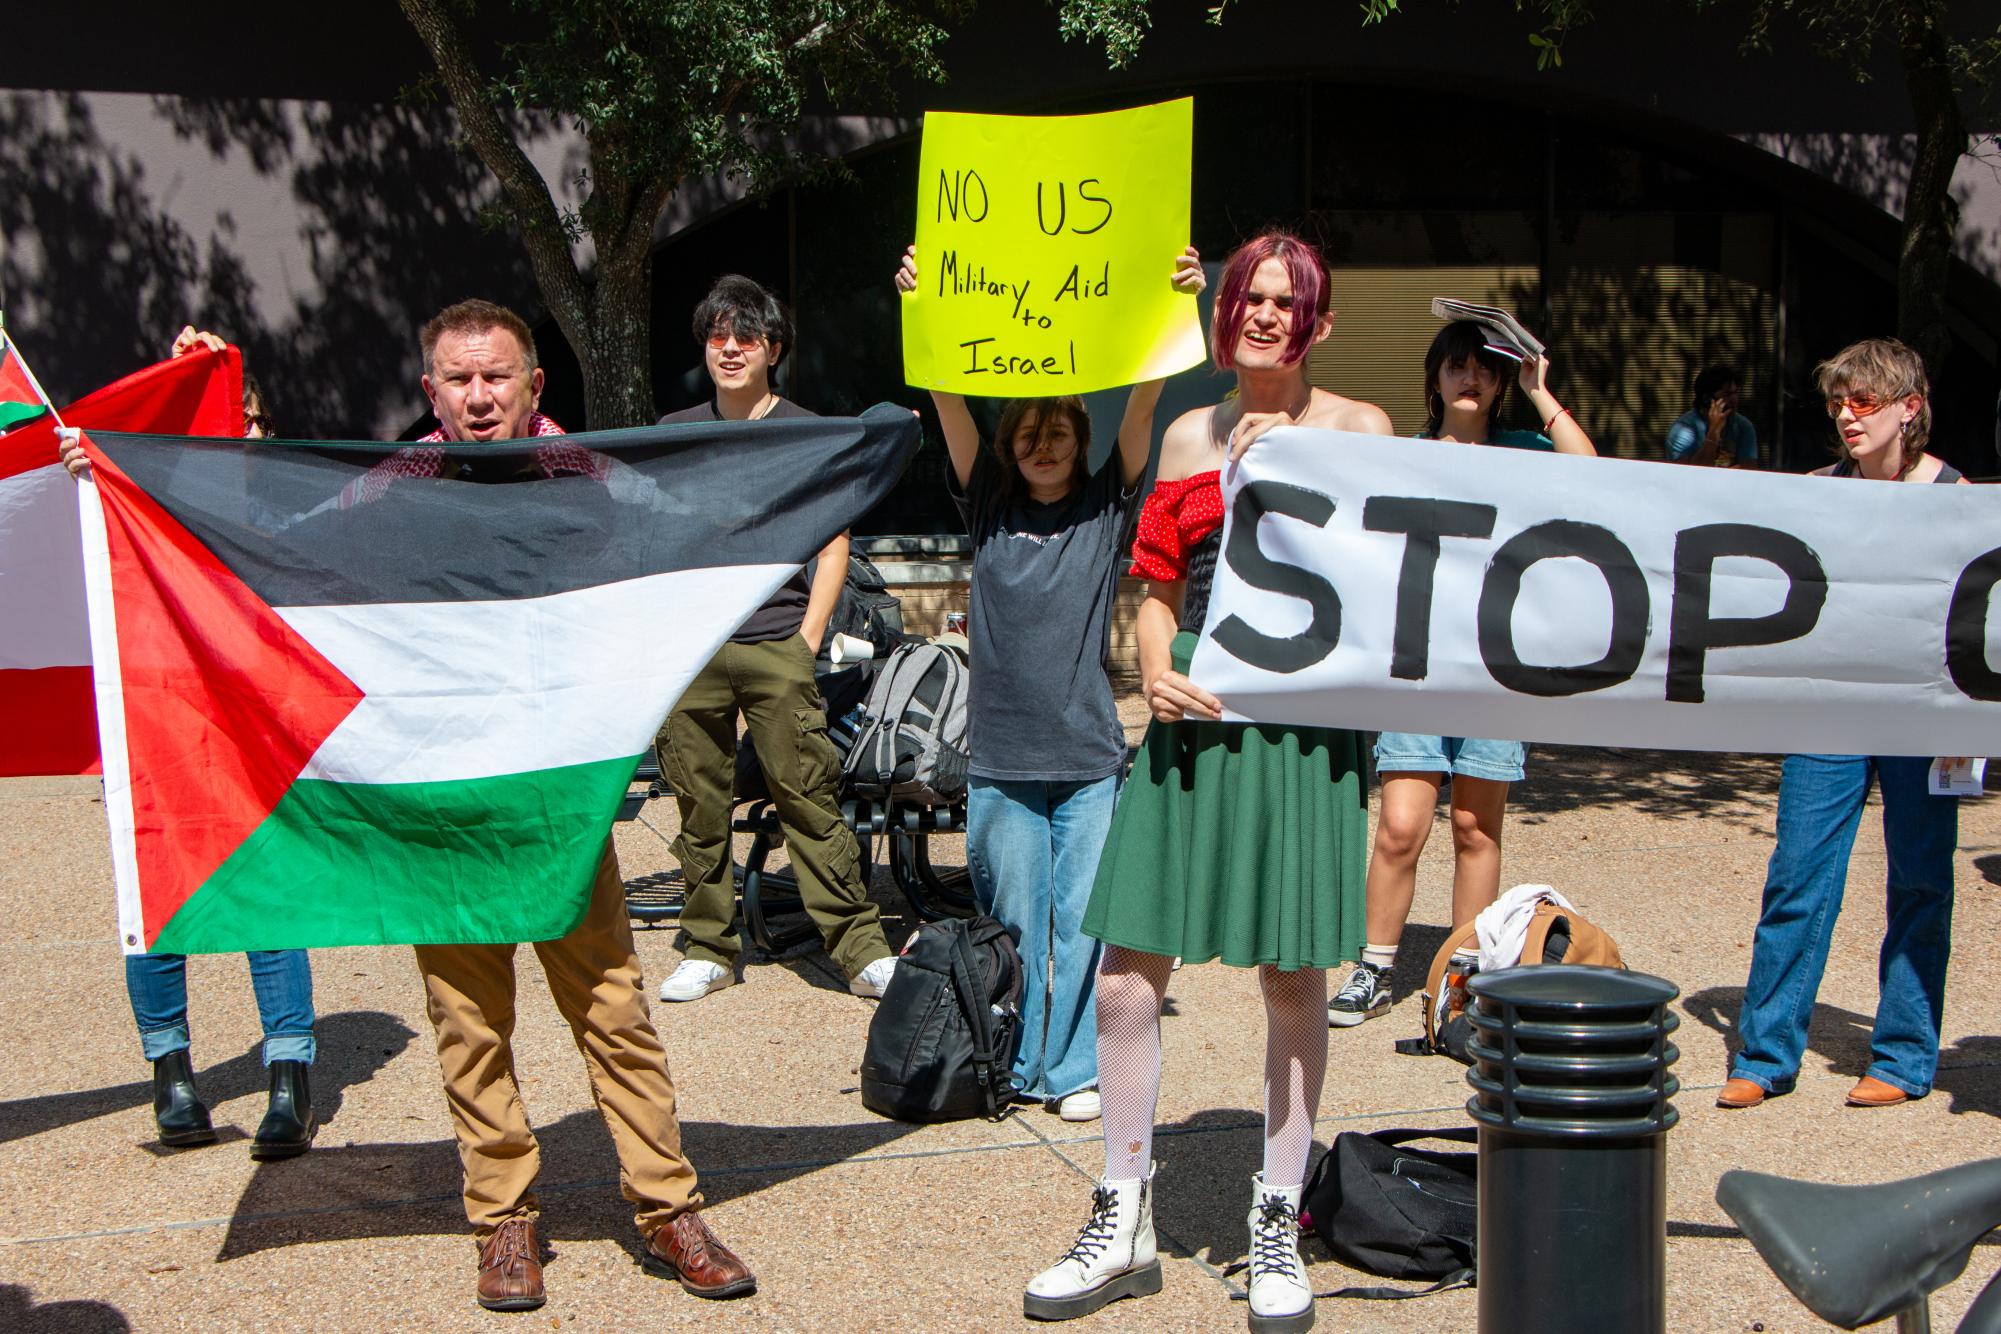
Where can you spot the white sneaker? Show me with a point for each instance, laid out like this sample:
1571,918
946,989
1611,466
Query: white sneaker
694,979
873,980
1281,1298
1083,1105
1113,1257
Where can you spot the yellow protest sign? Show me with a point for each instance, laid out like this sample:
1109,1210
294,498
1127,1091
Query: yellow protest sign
1045,246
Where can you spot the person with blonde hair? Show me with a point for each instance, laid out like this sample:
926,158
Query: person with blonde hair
1878,397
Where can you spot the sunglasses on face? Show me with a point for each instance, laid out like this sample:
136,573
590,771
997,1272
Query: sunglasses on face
1862,405
720,338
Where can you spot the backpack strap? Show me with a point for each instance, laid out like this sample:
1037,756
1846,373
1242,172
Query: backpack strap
1458,1278
1463,1277
1535,943
1454,1134
974,1007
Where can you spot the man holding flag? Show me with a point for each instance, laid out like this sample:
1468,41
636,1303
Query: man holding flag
484,385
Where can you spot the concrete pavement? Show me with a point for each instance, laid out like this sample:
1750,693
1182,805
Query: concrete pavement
852,1222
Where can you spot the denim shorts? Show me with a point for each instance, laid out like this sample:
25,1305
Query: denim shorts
1412,752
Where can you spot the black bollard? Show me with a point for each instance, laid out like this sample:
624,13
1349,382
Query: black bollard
1571,1090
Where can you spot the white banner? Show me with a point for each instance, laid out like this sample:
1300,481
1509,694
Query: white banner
1417,586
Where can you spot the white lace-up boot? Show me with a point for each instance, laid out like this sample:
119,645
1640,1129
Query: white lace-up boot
1114,1256
1281,1299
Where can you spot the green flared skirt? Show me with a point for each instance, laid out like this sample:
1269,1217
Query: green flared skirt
1240,842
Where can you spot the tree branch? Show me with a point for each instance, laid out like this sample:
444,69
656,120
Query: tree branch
1931,217
527,194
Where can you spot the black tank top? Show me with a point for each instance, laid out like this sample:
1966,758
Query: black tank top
1201,575
1946,472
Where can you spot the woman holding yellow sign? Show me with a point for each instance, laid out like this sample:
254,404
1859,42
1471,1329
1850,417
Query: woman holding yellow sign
1048,751
1231,841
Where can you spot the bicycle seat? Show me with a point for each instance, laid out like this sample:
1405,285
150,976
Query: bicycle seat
1856,1254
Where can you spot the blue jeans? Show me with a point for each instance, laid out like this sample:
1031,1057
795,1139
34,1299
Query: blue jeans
1820,805
1033,850
282,979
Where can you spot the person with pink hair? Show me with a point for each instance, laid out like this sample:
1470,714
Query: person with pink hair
1234,841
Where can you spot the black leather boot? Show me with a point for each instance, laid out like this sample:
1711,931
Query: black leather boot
177,1108
289,1124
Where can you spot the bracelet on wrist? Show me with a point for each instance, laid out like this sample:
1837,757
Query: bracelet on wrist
1560,412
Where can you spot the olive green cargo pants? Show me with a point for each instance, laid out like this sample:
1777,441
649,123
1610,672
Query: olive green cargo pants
771,684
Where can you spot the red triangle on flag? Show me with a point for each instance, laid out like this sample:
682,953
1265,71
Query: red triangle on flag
20,401
224,703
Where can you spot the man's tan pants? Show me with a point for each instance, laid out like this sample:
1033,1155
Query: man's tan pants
595,979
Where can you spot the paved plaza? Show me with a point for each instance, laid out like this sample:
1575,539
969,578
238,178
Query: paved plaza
854,1223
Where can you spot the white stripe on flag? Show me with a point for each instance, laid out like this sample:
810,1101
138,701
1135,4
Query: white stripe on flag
460,690
110,686
41,572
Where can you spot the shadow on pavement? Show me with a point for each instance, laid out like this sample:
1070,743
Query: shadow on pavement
20,1314
1675,784
1839,1037
1969,1071
1414,954
353,1045
413,1189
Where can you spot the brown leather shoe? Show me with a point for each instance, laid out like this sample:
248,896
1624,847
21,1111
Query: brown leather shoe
510,1268
1737,1094
685,1249
1870,1091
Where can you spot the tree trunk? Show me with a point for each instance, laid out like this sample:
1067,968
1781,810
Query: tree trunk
1931,216
618,364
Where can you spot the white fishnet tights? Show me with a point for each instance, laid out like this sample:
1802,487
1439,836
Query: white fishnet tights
1131,987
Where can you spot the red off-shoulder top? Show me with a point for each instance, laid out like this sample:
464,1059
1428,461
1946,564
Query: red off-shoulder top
1175,517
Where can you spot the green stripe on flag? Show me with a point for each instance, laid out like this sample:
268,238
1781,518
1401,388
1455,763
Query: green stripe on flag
480,861
16,414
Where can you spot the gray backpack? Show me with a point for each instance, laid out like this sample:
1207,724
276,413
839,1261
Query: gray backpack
911,746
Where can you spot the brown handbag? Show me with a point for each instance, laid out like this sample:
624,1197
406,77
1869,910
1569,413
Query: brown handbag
1555,935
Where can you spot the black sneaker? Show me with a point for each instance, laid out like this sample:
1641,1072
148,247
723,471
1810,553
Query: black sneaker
1364,995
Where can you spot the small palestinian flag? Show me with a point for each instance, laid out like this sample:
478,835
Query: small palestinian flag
21,399
406,713
48,714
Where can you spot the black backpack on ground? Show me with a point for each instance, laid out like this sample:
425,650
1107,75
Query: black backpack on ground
941,1044
1398,1212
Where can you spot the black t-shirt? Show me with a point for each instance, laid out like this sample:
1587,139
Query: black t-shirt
781,617
1040,706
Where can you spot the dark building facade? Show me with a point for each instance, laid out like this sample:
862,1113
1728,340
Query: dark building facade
1661,202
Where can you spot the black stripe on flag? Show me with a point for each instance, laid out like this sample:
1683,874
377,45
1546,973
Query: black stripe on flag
309,524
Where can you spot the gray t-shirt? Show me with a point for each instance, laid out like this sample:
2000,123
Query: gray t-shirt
1040,631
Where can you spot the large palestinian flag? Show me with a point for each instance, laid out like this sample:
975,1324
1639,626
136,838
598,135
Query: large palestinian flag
48,724
359,695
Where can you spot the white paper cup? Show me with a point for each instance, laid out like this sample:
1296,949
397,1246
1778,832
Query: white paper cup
849,648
